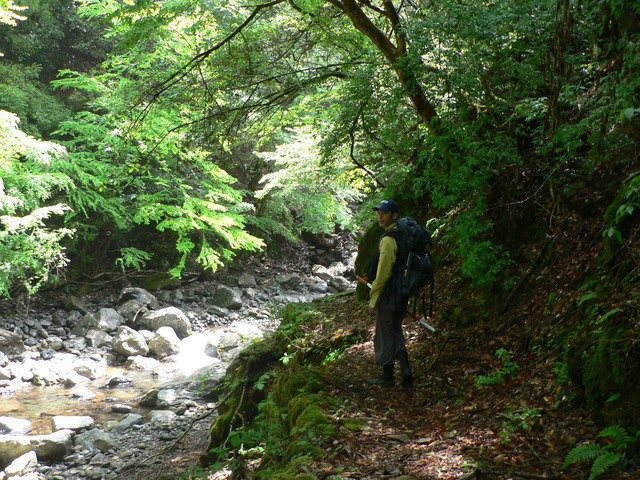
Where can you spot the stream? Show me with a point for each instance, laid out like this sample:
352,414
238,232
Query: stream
57,331
40,404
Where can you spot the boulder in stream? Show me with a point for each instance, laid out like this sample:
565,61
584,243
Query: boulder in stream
53,446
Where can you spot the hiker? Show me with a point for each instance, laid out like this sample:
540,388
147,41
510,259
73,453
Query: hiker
387,304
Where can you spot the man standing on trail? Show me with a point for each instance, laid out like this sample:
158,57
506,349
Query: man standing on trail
387,304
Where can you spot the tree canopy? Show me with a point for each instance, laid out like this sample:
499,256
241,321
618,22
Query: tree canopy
207,128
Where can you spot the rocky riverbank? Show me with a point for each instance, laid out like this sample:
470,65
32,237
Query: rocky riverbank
181,339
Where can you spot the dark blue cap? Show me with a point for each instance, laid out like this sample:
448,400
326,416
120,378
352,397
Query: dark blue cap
388,205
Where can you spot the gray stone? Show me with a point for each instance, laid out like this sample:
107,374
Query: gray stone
83,394
140,362
90,370
105,319
132,310
74,303
161,415
227,297
95,440
127,422
128,342
10,343
121,408
53,446
247,280
290,281
150,398
167,317
98,338
140,295
165,342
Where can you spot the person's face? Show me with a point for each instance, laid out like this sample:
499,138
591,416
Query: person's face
386,218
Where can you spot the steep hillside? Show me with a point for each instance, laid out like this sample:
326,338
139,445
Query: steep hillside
510,383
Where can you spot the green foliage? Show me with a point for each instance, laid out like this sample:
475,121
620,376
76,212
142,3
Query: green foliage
31,243
301,193
303,117
22,93
608,453
294,315
626,206
522,420
125,184
9,12
509,370
132,258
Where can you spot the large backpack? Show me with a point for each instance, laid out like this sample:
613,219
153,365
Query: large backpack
413,264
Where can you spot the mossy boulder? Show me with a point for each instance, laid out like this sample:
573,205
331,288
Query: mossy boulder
610,376
366,248
355,424
290,382
243,397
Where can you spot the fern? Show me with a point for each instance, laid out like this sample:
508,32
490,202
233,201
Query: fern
604,456
31,248
583,453
618,434
133,257
603,463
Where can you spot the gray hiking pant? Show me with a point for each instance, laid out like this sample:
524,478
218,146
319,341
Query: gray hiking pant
389,338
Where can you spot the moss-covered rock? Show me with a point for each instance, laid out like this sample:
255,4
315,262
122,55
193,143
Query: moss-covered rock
355,424
368,246
298,404
610,376
243,397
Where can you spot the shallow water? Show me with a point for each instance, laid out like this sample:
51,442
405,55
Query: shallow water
40,404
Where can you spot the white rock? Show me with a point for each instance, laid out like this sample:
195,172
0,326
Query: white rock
21,465
14,425
71,422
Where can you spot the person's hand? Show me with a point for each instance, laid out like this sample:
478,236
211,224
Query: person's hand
372,310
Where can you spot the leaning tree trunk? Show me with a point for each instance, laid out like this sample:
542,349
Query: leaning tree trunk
393,53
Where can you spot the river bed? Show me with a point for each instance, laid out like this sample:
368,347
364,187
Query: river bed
40,404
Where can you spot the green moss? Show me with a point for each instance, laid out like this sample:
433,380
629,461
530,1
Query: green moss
156,281
355,424
299,403
312,418
293,381
609,375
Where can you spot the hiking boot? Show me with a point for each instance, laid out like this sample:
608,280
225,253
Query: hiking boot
386,380
407,380
407,376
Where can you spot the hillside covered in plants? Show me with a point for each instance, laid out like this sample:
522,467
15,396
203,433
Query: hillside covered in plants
175,138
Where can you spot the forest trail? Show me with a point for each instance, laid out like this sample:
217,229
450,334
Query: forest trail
491,399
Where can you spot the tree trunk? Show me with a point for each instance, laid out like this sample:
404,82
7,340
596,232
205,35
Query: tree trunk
424,109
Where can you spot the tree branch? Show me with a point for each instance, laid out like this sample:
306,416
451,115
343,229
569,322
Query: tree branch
395,55
154,92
